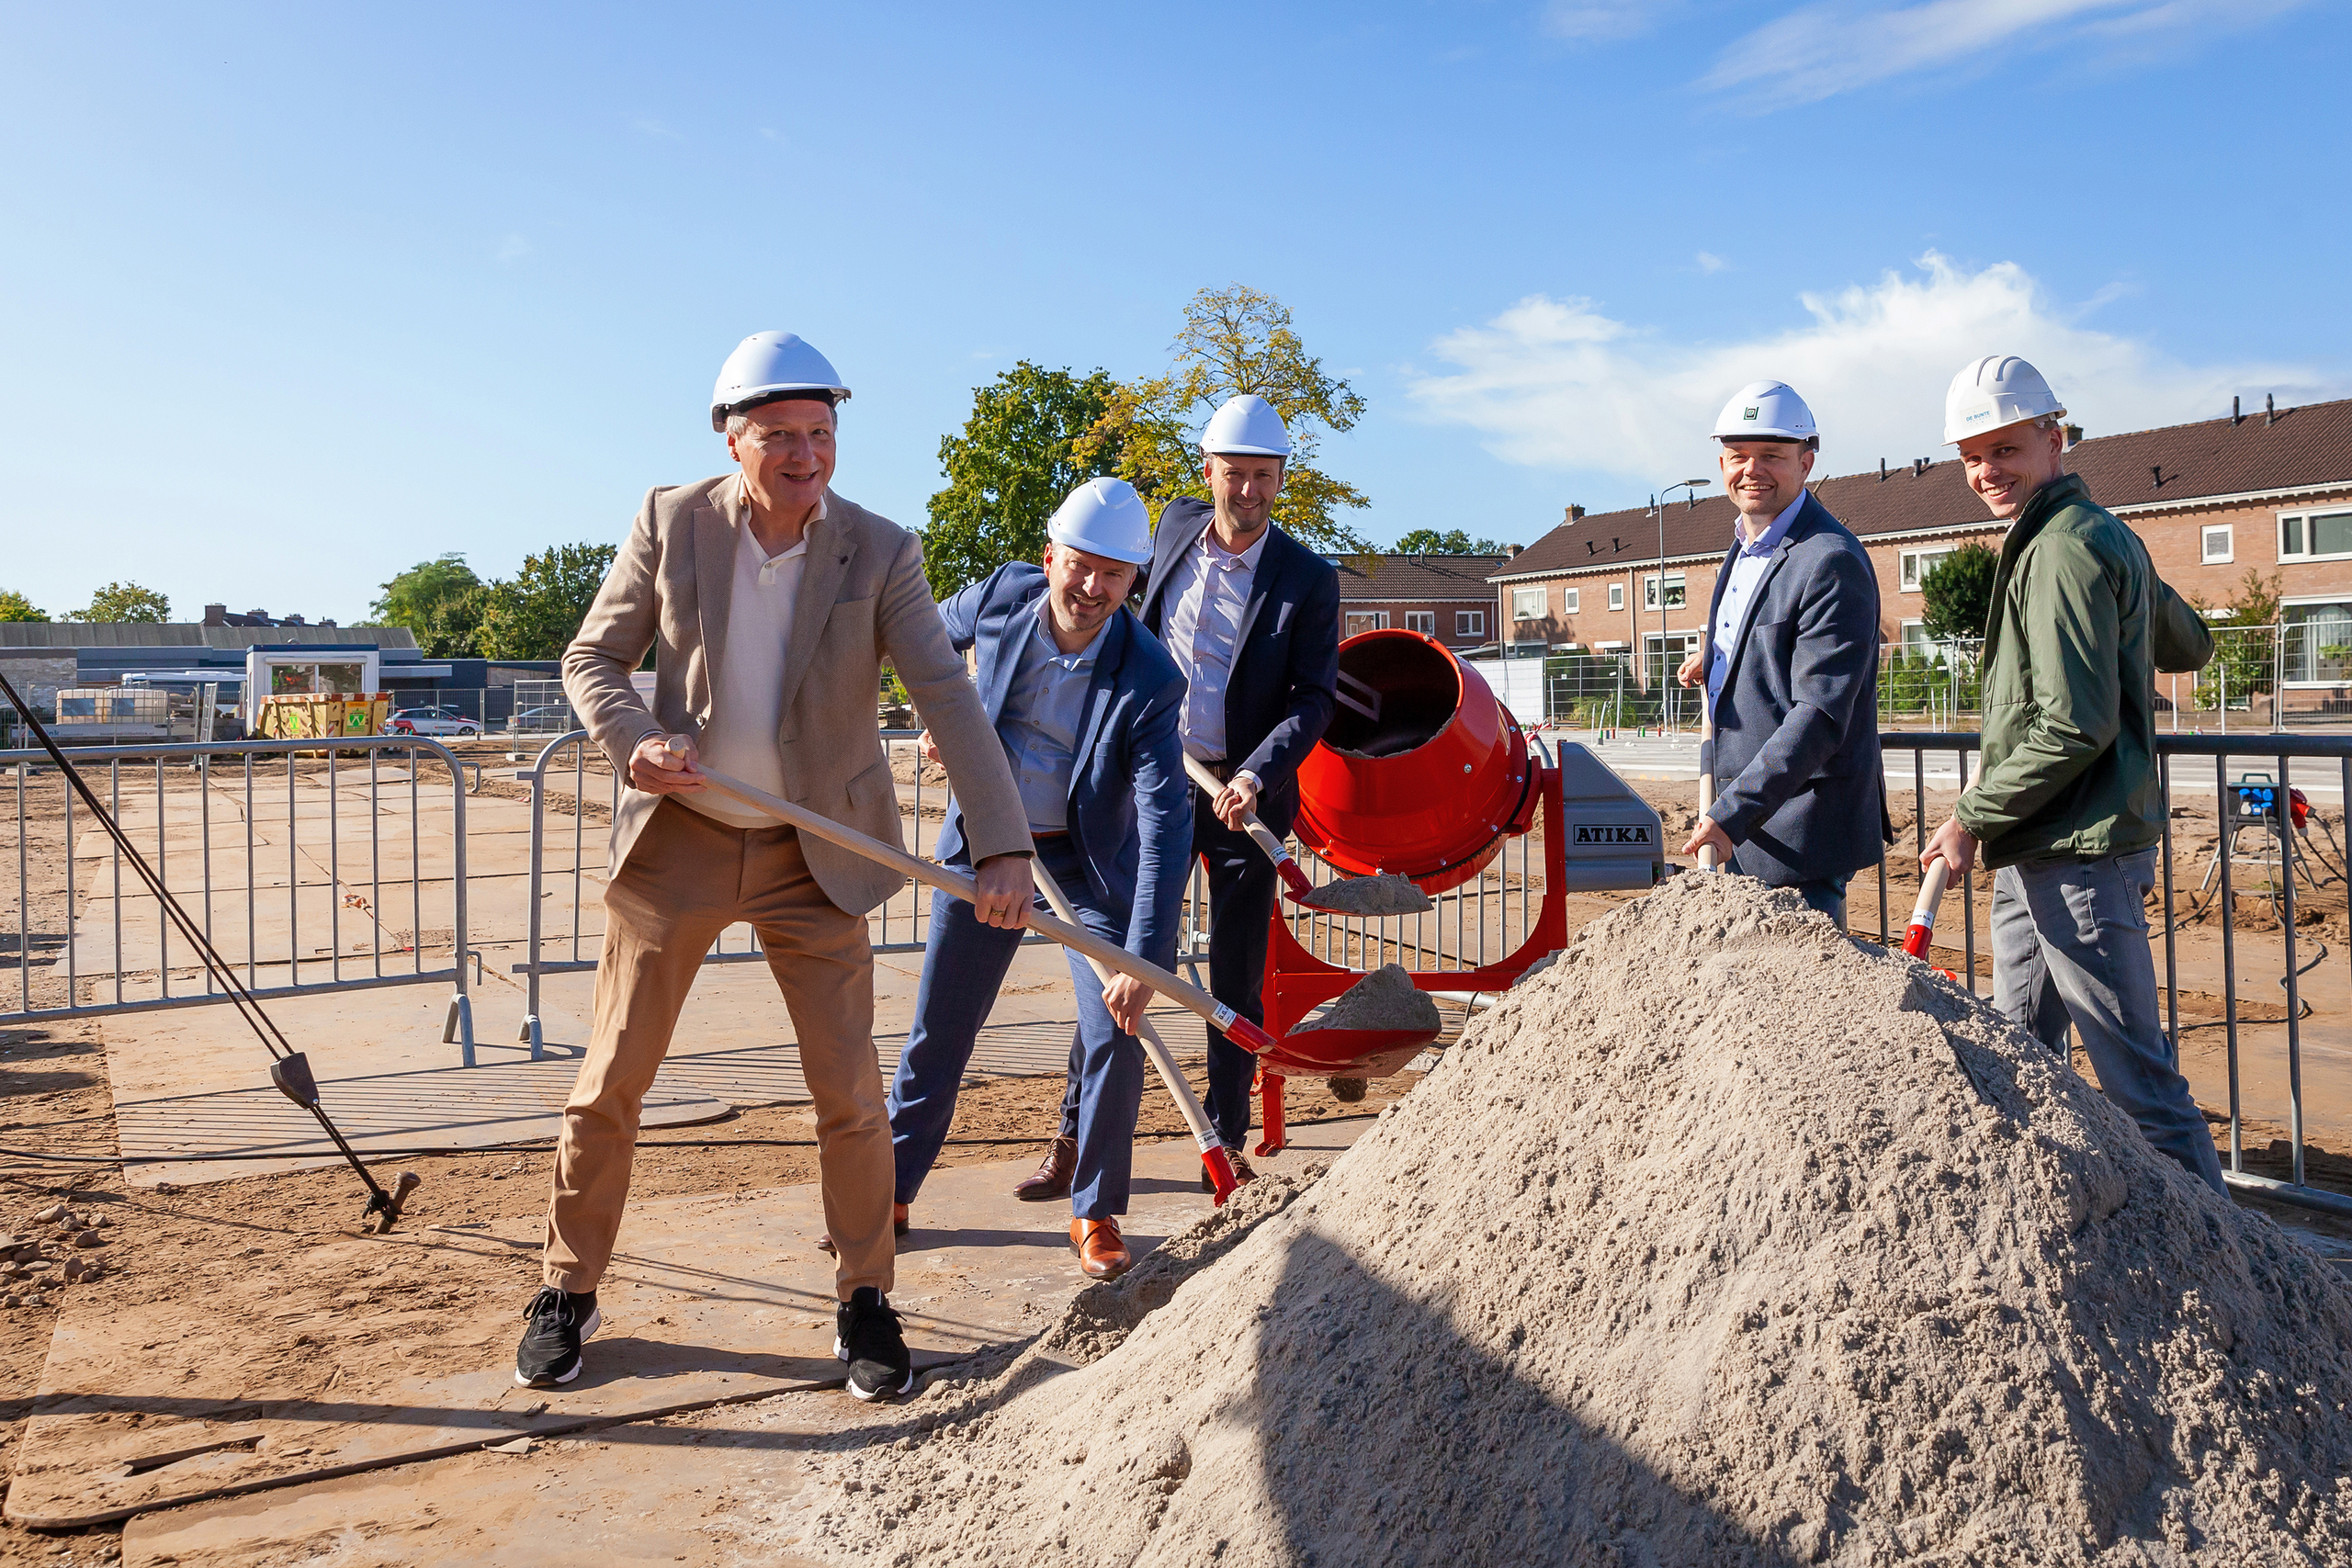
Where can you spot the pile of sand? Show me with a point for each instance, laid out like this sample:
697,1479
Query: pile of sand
1385,894
1722,1241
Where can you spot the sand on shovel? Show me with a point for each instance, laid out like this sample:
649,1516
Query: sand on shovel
1385,894
1385,998
1721,1241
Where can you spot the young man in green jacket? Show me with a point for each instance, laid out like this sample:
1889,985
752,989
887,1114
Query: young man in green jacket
2067,809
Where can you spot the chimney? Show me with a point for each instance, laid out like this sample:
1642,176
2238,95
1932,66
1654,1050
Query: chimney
1576,514
216,614
2157,476
1511,552
291,621
2234,416
1882,470
1919,467
2269,408
2073,436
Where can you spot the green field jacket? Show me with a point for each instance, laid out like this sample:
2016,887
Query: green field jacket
2079,625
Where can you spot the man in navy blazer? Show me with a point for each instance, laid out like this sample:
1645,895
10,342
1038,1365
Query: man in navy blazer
1791,662
1252,619
1086,704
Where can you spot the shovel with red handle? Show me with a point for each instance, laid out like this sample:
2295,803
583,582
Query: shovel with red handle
1109,955
1922,929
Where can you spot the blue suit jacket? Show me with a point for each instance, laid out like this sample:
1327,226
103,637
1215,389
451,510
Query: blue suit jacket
1130,812
1286,679
1799,786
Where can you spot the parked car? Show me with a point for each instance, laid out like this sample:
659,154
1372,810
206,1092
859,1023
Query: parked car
431,721
553,719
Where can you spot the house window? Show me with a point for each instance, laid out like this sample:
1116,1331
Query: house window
2314,535
1421,621
2315,644
1616,595
1527,604
1917,564
2214,542
1469,623
1358,621
1568,598
1673,590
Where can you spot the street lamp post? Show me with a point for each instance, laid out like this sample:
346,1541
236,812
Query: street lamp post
1657,508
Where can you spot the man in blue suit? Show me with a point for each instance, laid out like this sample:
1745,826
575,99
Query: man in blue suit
1791,662
1252,619
1086,704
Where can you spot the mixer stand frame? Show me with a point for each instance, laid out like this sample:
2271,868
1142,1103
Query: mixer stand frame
1298,982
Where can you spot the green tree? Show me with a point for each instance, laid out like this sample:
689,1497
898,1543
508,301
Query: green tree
537,613
118,603
1956,592
1453,542
440,600
1235,340
15,606
1010,468
2245,642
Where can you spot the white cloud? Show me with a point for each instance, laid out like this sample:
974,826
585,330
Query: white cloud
646,125
1557,384
512,249
1708,262
1835,46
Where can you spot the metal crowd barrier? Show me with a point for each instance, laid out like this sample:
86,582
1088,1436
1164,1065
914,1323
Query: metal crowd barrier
220,810
902,924
2260,802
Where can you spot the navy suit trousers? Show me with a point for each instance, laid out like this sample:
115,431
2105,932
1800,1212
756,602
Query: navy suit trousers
964,965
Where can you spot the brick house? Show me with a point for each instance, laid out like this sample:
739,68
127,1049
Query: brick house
1446,597
2269,492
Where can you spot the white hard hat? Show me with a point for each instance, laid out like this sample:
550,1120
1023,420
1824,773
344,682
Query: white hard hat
1998,389
1766,410
767,366
1104,517
1248,425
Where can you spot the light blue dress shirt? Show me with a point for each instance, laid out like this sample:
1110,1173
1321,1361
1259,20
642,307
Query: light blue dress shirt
1043,710
1747,575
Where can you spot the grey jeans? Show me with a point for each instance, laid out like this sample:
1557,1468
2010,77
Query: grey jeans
2070,946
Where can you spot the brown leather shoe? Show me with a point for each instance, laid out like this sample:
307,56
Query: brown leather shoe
1051,1178
1100,1252
899,1226
1241,1171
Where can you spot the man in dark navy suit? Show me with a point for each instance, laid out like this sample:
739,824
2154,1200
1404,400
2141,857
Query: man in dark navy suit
1791,663
1252,619
1086,704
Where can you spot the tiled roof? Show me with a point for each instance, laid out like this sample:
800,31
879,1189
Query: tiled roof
2303,447
189,633
1417,577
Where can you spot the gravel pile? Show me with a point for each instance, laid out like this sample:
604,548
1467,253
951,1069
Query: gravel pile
1724,1240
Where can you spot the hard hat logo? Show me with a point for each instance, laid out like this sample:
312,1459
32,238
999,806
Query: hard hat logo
1751,413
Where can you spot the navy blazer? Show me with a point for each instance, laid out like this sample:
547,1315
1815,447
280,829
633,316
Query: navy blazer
1799,786
1129,811
1284,683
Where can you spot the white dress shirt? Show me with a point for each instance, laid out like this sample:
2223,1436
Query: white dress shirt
1747,575
1206,597
747,695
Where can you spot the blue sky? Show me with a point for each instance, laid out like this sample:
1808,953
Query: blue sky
297,296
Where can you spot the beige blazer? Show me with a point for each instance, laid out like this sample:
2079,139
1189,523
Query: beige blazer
862,597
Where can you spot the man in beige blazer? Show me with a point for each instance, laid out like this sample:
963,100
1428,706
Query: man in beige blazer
768,602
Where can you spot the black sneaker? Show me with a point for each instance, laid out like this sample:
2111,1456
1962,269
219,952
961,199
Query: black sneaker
867,1335
550,1349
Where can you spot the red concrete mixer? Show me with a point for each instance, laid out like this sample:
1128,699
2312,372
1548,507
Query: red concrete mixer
1424,774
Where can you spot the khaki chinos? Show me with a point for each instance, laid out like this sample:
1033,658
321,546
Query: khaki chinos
678,877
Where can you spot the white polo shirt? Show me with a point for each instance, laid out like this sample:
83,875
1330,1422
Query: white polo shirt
747,697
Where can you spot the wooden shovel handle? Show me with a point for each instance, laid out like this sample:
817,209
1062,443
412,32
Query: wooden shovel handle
1243,1033
1292,877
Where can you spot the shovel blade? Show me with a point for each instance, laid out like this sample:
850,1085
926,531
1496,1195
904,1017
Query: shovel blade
1346,1053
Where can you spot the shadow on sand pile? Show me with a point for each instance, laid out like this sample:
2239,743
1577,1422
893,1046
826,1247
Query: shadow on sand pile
1722,1241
